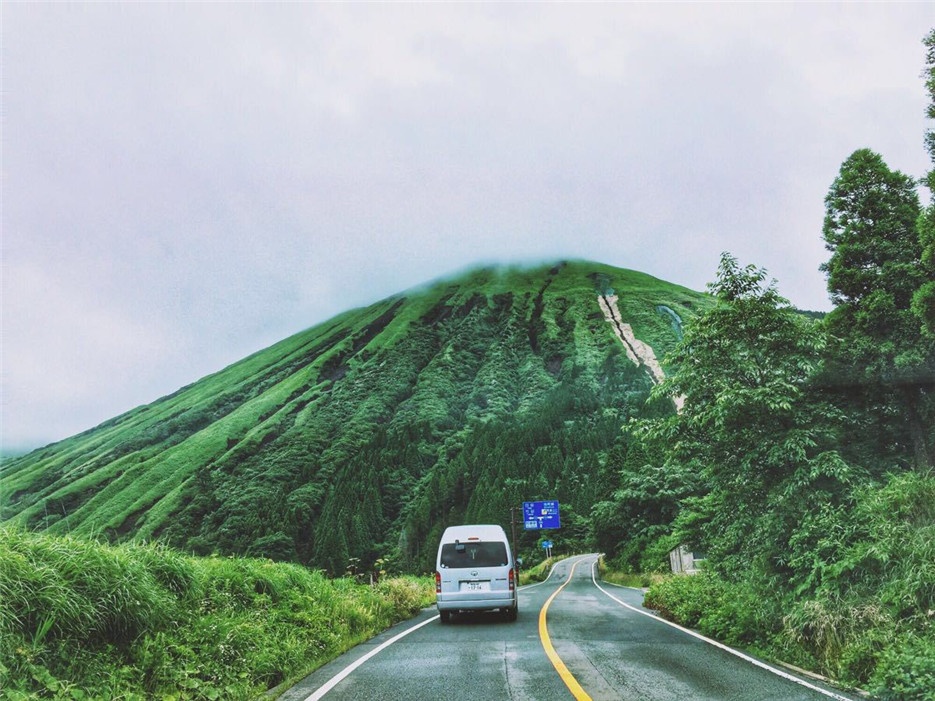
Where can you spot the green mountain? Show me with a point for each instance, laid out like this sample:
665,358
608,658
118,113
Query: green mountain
364,436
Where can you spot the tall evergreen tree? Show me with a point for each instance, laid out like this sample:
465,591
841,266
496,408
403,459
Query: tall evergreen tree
879,362
870,218
923,303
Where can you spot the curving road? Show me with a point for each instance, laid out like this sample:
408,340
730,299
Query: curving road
575,638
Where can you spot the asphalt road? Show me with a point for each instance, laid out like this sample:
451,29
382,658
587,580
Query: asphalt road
604,645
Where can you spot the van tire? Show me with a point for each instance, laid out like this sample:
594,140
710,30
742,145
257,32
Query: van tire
511,613
445,616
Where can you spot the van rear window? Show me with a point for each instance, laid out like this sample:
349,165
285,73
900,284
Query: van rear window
475,554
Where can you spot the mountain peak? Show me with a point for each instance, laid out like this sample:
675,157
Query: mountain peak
362,436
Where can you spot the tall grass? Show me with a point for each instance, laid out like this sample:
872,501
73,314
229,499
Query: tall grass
635,580
79,620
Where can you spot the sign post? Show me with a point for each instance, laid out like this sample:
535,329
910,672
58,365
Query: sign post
538,515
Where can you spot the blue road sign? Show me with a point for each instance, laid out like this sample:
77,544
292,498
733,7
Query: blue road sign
541,514
546,544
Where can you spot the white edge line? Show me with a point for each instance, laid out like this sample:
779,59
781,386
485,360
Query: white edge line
340,676
722,646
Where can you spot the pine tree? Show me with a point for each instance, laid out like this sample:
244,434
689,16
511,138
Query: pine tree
879,359
923,303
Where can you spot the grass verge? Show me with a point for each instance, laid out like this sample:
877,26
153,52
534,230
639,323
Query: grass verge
83,620
627,579
539,572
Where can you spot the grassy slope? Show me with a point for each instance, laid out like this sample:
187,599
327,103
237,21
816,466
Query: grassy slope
161,443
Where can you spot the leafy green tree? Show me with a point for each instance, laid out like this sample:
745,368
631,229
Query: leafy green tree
749,430
634,528
923,301
879,360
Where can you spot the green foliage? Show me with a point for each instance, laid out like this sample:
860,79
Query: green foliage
732,612
641,580
907,671
83,620
929,75
870,218
634,528
812,559
923,303
540,571
66,587
848,578
871,578
752,451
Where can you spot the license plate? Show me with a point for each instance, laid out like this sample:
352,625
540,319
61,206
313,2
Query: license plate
475,586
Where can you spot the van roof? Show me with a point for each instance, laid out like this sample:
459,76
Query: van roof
483,531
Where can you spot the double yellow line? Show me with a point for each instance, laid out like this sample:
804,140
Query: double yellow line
573,686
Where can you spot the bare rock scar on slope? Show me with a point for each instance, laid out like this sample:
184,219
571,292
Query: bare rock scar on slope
641,354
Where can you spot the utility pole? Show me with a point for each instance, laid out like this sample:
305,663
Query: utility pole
515,552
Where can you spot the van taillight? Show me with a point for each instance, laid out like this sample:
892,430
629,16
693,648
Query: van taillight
438,582
512,579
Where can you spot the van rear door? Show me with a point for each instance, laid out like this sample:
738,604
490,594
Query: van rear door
475,566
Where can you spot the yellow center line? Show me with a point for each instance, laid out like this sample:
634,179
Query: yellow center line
573,686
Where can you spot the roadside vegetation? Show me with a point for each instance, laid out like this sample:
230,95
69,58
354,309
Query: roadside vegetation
84,620
635,580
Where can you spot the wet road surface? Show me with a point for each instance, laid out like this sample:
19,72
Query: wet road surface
610,648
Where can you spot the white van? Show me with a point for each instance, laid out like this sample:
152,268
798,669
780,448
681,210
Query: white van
475,572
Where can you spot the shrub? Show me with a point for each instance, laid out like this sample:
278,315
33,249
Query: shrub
684,600
839,638
731,612
407,595
906,670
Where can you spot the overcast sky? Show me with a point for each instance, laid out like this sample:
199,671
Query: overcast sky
184,184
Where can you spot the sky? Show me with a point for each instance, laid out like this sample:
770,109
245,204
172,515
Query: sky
186,183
